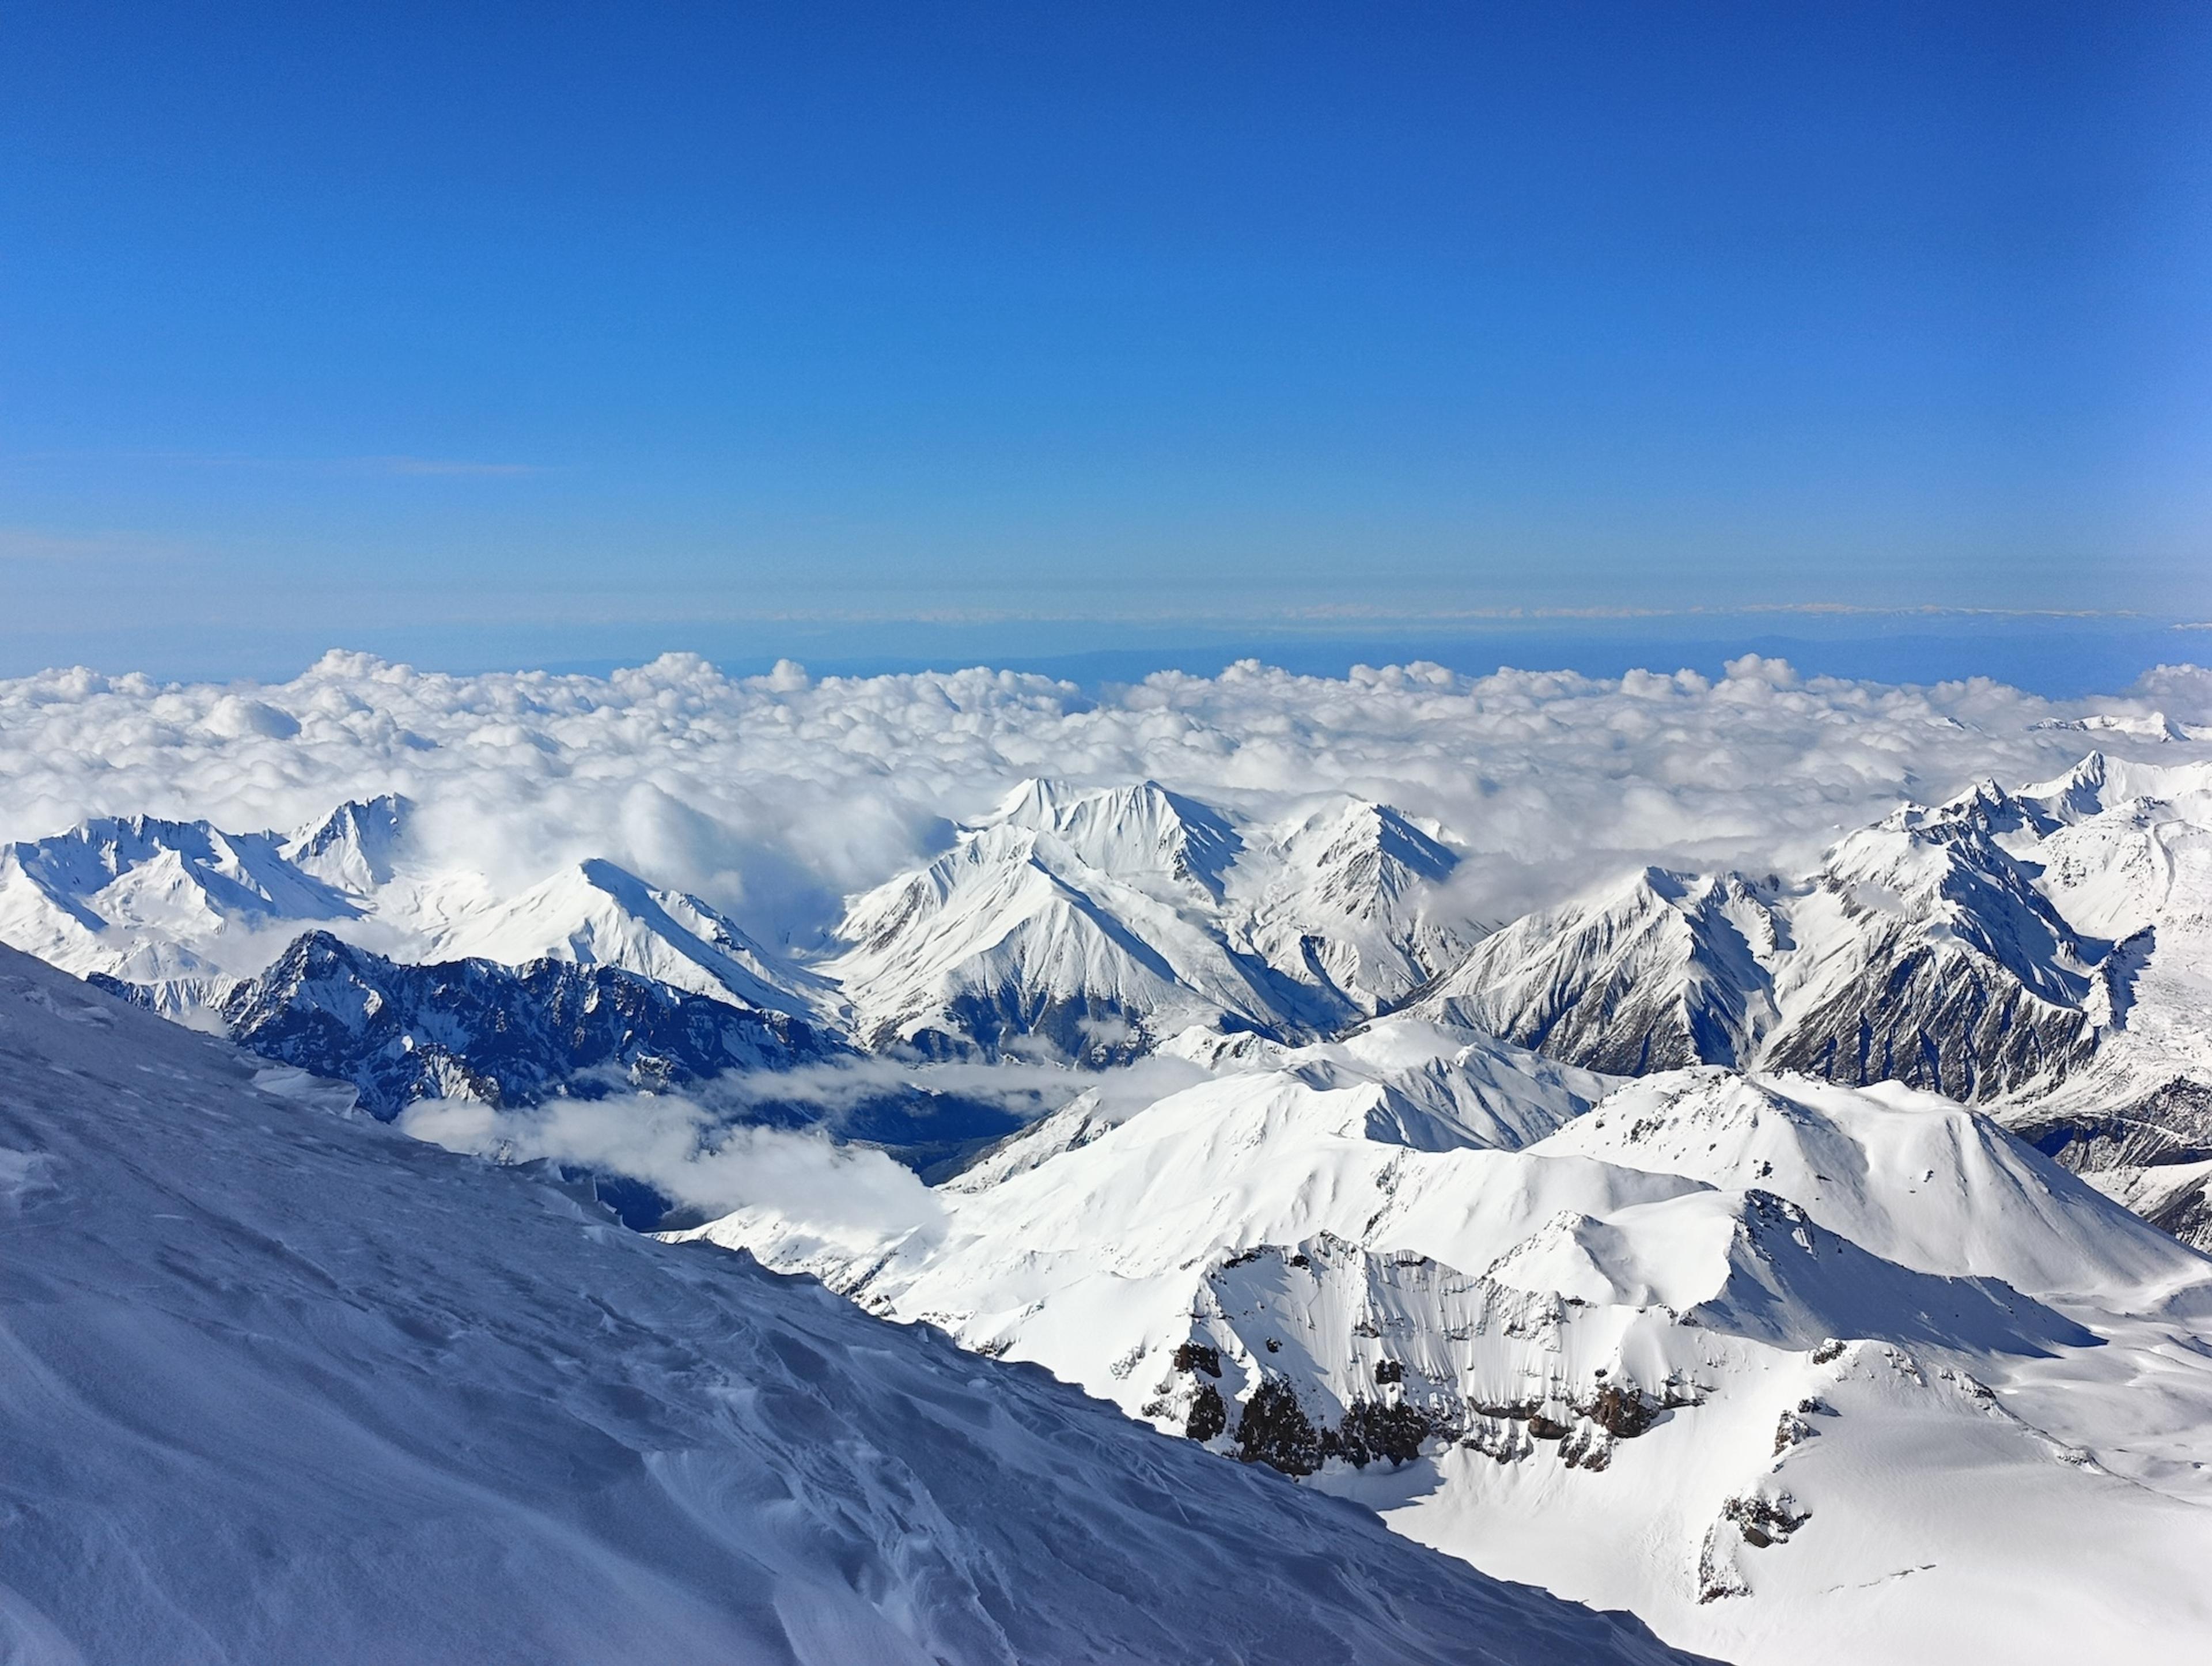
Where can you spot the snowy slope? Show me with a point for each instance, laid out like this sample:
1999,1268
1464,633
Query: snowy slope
1607,1353
597,915
284,1386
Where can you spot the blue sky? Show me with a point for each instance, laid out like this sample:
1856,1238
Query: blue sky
556,329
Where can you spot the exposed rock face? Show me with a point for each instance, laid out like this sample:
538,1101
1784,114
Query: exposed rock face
1274,1430
1921,951
2169,1124
1659,970
1955,1023
478,1030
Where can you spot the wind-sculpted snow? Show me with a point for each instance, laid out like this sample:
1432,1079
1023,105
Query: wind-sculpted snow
1741,1352
284,1387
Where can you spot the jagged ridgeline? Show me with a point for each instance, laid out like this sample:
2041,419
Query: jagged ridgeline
2033,951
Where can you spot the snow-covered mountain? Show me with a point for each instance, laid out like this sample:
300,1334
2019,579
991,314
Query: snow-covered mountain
186,908
176,905
1796,1371
1920,952
1648,972
595,914
287,1386
2124,854
1099,922
2045,950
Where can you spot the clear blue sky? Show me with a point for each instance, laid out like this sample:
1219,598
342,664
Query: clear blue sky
339,320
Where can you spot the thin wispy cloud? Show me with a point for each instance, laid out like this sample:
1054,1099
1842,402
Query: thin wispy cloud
35,546
394,464
437,465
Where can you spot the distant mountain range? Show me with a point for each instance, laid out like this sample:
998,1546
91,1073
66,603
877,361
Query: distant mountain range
2042,951
1747,1249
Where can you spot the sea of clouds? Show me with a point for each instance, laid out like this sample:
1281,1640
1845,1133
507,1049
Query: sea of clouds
774,797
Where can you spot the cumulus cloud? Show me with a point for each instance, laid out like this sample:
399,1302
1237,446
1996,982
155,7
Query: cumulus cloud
832,1091
695,1149
775,796
681,1151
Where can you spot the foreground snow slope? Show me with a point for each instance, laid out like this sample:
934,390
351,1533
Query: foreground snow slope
1798,1372
280,1386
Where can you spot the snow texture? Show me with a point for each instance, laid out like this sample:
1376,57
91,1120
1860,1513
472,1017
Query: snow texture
284,1386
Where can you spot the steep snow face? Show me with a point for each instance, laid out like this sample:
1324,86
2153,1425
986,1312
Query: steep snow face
1143,835
167,903
1659,970
1743,1354
1096,923
597,915
354,848
1351,904
284,1386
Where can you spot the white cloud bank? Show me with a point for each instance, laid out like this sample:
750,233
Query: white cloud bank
843,1192
773,796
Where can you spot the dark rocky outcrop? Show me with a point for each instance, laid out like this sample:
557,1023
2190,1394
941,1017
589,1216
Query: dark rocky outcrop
1371,1432
1194,1357
518,1036
1209,1415
1274,1430
506,1036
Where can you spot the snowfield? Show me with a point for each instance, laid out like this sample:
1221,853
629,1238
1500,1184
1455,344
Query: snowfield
284,1385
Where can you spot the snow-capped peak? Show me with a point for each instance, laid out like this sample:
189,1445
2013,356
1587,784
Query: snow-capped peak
354,846
1139,834
594,913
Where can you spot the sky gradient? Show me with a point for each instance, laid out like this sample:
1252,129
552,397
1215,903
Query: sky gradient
614,324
